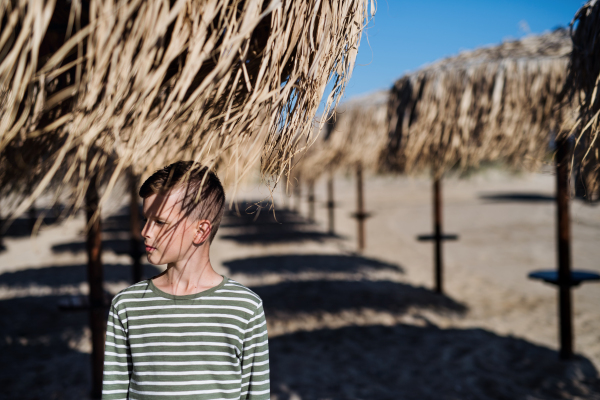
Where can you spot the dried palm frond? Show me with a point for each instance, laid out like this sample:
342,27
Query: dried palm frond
584,82
357,134
493,103
91,88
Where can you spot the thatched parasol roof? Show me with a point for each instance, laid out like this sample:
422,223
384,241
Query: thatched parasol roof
87,84
584,80
493,103
357,133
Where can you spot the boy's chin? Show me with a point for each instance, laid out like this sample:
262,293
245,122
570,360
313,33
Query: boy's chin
154,260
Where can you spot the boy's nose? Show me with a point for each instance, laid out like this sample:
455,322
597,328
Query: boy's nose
146,230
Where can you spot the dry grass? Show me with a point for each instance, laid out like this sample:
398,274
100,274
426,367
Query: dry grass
493,103
584,82
97,87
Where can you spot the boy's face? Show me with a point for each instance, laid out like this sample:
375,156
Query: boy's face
169,235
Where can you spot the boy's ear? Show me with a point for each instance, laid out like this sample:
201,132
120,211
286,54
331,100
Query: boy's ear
203,230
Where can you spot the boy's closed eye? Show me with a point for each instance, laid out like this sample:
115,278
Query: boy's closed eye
156,221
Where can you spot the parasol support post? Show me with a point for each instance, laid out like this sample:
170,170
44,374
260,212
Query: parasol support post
1,231
135,228
95,277
284,192
330,206
563,157
32,217
437,231
297,196
360,214
311,201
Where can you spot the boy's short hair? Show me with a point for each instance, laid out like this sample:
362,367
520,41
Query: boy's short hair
192,178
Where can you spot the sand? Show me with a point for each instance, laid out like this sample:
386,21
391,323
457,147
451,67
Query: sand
344,325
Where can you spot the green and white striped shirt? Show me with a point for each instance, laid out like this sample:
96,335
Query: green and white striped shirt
210,345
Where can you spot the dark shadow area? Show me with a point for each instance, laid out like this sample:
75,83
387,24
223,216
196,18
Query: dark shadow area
295,263
23,226
113,224
41,354
250,214
517,197
120,220
258,225
55,276
117,246
335,296
421,363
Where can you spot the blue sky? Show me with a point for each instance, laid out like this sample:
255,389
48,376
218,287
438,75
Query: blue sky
405,35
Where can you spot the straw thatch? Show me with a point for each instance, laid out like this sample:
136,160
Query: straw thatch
493,103
85,85
584,82
356,134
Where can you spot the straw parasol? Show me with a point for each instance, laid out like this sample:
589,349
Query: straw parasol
353,140
85,85
493,103
356,133
89,89
584,82
501,103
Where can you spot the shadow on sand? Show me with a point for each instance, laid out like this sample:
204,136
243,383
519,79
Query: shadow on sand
335,296
116,231
517,197
117,246
55,276
23,226
296,263
39,355
258,225
410,362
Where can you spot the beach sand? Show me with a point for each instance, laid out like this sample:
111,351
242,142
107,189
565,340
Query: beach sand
344,325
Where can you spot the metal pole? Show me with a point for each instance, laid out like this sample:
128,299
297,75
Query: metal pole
563,156
134,224
311,201
331,205
96,295
360,208
437,229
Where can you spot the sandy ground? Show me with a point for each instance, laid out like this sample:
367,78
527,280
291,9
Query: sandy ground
344,325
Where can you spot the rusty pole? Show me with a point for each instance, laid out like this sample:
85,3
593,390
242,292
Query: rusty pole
437,229
331,205
360,207
311,201
563,156
96,295
134,224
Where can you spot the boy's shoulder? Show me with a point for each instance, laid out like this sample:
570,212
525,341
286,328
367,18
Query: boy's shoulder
235,289
135,290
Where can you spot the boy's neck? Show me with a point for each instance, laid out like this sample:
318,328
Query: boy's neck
191,276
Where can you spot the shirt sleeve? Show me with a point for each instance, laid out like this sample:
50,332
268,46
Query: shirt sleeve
255,358
117,359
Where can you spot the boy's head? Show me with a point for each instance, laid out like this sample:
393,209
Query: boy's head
183,205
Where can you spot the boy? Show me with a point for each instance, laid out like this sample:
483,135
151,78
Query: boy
188,333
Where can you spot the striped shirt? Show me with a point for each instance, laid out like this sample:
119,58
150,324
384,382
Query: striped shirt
210,345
